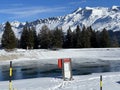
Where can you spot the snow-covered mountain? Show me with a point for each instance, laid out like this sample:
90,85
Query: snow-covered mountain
97,17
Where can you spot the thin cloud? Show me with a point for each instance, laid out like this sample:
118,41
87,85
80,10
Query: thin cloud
29,11
78,2
16,4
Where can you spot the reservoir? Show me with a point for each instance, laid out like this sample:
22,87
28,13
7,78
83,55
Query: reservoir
49,68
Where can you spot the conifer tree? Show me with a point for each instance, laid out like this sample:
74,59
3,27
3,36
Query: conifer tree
8,37
50,35
44,40
30,38
93,40
74,39
68,39
35,38
98,37
93,37
24,38
105,39
58,38
114,42
77,37
85,38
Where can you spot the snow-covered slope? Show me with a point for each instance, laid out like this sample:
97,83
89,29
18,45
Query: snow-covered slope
97,17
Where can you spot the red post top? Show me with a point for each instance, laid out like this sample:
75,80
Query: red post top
60,63
67,60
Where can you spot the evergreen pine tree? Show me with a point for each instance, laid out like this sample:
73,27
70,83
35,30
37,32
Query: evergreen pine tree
114,42
74,39
68,39
24,38
93,40
30,38
105,39
38,38
18,43
44,40
35,38
58,38
50,36
77,37
9,40
85,38
92,37
98,37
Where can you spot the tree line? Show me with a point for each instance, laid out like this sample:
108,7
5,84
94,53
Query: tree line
84,37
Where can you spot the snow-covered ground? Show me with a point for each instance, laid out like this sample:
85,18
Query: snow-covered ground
80,82
85,82
40,54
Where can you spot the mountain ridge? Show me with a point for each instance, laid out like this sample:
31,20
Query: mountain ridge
97,17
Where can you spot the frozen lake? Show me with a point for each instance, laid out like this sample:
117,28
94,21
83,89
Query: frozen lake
36,68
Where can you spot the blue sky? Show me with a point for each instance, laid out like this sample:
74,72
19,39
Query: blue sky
30,10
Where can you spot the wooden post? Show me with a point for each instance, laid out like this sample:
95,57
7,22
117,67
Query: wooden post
10,75
100,82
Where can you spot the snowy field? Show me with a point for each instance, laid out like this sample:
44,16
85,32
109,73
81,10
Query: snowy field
81,82
22,55
87,82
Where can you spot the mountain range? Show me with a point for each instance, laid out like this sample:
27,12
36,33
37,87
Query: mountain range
97,17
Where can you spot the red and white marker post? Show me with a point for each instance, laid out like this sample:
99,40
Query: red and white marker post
66,66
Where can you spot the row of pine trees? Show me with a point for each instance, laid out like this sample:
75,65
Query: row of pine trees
46,38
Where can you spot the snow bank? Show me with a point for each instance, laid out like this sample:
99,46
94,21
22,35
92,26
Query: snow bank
44,55
100,53
83,82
